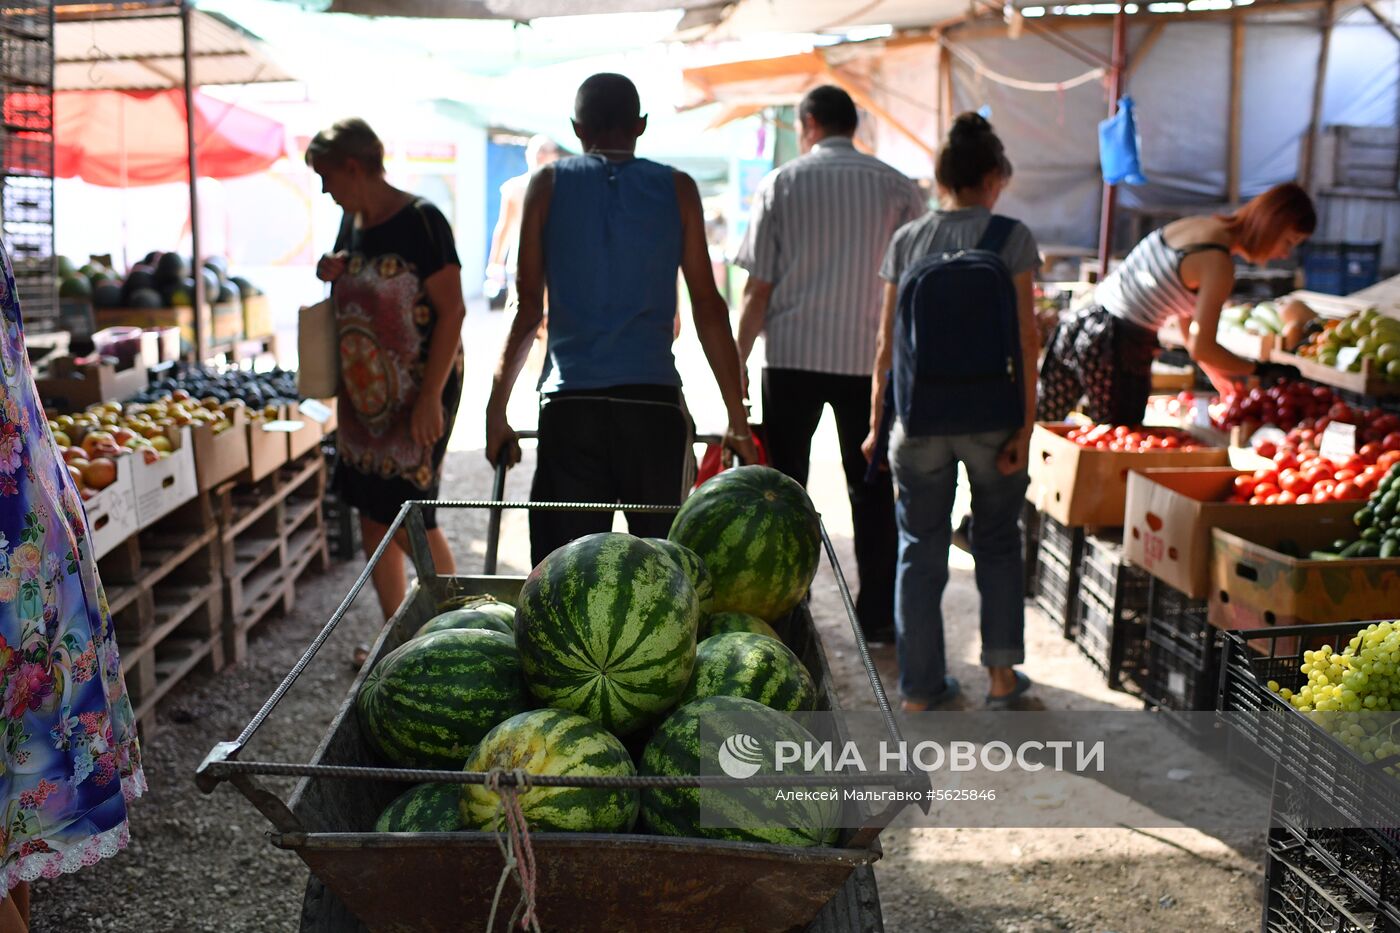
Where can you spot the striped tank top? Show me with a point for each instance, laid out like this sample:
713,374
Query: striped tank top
1147,289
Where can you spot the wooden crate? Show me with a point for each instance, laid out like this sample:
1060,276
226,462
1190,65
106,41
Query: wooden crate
271,532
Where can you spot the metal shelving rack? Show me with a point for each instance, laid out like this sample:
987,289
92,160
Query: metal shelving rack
27,157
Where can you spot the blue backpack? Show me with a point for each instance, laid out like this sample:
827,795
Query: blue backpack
957,344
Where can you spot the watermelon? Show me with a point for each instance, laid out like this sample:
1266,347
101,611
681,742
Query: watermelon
756,667
423,808
720,622
756,814
694,568
554,742
482,603
607,628
758,535
466,618
430,700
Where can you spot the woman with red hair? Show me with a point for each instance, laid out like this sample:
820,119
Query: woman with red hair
1103,354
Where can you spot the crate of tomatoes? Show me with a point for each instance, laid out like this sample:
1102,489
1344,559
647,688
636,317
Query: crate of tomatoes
1079,474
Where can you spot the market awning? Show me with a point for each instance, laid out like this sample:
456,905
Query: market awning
521,10
143,51
118,139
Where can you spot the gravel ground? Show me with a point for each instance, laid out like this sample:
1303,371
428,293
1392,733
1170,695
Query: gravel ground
202,863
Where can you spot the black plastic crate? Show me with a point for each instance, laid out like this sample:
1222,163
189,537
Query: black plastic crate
1030,545
1183,654
1368,860
1360,792
1061,542
1303,895
1057,590
1112,613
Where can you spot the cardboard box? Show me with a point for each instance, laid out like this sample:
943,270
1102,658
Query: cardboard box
219,457
267,451
165,485
111,513
1170,515
257,316
67,387
1085,486
1255,585
226,323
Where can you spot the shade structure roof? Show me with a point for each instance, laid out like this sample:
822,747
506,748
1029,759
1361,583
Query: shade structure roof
130,138
521,10
119,49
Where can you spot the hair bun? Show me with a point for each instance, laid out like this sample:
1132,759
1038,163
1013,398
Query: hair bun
969,126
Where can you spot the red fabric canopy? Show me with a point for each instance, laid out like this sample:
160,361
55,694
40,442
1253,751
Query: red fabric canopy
125,138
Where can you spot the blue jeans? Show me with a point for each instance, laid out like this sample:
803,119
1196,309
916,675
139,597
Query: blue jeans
926,476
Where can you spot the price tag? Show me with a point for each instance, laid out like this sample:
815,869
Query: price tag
1347,357
1339,441
316,411
285,427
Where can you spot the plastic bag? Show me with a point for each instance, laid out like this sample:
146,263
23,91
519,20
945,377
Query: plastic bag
1118,147
712,461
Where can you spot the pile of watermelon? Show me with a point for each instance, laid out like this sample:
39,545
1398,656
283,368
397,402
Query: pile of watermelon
615,639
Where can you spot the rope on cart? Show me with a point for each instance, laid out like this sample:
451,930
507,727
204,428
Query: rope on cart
515,840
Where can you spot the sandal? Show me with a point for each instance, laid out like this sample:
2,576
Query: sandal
1006,700
951,688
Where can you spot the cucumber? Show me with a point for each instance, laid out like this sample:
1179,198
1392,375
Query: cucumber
1364,516
1266,314
1390,547
1340,545
1369,549
1323,555
1353,549
1372,534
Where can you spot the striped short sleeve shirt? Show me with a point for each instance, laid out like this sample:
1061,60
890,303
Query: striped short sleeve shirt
817,232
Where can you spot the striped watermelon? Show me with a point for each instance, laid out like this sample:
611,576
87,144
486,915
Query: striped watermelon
607,628
756,814
466,618
555,742
758,535
427,702
694,568
720,622
423,808
756,667
485,603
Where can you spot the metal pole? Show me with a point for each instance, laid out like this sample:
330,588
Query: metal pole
1115,91
197,260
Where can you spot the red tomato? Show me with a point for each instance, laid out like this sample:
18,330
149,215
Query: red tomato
1121,431
1293,481
1344,475
1265,490
1170,443
1271,500
1244,485
1256,500
1287,461
1287,498
1370,453
1367,482
1388,460
1267,449
1304,499
1347,491
1391,441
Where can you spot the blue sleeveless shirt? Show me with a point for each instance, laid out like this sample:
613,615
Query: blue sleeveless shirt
612,248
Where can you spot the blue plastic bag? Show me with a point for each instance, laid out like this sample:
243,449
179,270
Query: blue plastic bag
1118,147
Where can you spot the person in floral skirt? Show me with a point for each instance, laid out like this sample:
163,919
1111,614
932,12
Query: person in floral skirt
69,758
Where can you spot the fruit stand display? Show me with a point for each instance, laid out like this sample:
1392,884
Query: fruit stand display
604,725
163,477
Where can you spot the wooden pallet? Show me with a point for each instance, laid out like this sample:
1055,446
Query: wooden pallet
165,590
270,533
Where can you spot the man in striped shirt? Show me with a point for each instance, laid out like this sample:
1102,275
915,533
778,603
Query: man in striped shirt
818,230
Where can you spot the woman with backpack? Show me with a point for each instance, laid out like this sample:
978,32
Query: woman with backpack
956,348
1103,354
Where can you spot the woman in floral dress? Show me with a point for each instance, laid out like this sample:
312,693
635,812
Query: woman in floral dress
69,760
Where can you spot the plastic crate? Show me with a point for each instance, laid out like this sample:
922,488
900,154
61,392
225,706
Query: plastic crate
342,527
1341,268
1182,651
1030,545
1112,607
1368,860
1057,590
1303,895
1064,544
1361,793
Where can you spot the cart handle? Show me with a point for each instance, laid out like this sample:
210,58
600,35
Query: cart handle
498,494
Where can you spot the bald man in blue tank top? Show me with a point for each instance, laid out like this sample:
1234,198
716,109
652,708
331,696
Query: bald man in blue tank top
603,234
